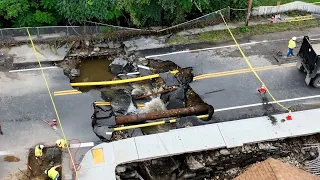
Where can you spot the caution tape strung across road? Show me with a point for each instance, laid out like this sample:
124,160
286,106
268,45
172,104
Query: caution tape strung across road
53,104
251,67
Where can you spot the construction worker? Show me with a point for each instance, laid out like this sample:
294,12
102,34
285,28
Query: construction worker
291,46
61,143
52,173
38,151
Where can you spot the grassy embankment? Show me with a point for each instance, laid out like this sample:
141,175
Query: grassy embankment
240,32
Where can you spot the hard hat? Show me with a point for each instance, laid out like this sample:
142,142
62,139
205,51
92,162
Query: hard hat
41,146
294,38
58,141
46,171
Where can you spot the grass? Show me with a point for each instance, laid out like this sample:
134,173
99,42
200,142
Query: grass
274,2
252,30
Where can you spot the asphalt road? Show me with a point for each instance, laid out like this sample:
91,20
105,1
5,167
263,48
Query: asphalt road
225,90
25,102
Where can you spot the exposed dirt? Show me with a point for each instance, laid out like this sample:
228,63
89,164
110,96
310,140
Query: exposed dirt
11,159
51,157
162,66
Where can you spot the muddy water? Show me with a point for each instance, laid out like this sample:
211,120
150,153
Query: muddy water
93,69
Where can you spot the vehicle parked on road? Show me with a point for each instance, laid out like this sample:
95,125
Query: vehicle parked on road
309,62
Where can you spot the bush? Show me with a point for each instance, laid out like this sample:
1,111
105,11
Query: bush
244,29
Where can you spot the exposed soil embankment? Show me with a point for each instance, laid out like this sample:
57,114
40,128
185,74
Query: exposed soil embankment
220,164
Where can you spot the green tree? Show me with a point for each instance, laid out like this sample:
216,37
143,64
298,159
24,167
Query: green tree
142,12
82,10
29,12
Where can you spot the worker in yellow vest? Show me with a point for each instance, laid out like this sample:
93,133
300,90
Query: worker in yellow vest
52,173
291,46
61,143
38,151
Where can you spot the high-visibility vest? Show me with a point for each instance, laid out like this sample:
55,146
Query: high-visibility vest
63,143
52,173
38,151
292,44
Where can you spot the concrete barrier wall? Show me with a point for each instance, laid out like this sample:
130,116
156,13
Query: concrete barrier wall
294,6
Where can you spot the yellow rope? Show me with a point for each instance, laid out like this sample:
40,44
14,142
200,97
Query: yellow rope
53,104
251,67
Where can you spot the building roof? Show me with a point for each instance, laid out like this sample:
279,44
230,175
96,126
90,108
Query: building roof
272,169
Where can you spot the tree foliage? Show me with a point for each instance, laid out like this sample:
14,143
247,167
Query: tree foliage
137,13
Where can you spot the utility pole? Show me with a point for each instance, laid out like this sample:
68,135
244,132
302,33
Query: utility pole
249,12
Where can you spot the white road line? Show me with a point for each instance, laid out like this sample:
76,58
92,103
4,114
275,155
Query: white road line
88,144
32,69
5,153
272,102
220,47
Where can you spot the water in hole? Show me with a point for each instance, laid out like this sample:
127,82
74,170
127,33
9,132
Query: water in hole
93,69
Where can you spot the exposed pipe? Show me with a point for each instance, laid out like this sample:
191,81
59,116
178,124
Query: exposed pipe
151,124
135,118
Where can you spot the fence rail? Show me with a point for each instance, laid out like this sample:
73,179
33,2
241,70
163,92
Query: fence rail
11,35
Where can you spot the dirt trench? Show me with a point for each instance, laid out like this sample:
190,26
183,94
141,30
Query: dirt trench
52,156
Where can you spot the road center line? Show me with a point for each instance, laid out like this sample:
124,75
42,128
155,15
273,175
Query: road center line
33,69
272,102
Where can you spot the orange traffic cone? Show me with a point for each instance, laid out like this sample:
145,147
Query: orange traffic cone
54,124
262,90
289,117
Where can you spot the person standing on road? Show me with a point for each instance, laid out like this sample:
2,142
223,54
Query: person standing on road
61,143
291,46
52,173
38,151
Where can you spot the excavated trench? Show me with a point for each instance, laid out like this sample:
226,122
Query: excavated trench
52,156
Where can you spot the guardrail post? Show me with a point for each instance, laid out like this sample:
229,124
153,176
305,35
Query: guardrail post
67,31
38,31
1,34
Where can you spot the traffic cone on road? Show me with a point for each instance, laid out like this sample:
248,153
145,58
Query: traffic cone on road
262,90
289,117
54,124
